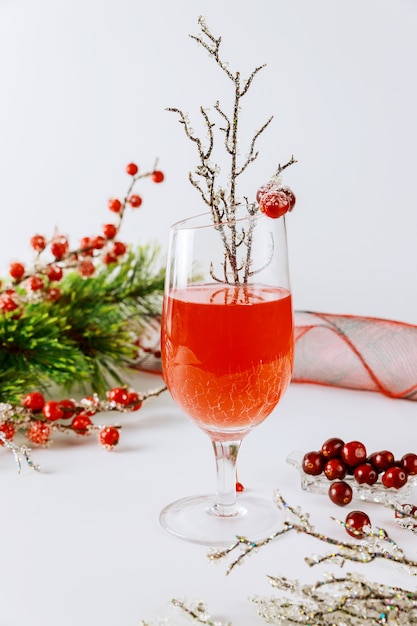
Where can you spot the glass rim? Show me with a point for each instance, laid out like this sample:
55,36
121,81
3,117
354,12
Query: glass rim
186,224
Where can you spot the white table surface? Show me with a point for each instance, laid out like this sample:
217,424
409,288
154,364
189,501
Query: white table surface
81,544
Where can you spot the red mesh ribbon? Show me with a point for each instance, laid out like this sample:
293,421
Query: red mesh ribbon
356,352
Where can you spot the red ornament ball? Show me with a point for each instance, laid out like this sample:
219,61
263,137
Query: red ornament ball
340,493
313,463
409,463
353,453
394,477
239,487
332,447
355,522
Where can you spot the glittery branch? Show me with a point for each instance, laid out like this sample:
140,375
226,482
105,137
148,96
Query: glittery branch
376,545
196,612
350,600
18,453
230,130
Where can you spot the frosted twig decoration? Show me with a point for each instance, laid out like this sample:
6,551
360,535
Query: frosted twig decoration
221,200
351,601
377,545
194,612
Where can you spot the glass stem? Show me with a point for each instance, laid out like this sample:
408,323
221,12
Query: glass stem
226,453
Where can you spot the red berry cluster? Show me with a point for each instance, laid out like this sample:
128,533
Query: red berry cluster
42,279
337,459
42,416
275,199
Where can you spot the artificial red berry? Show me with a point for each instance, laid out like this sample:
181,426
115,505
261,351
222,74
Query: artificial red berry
8,303
38,243
90,404
132,169
59,247
8,430
332,447
54,272
239,487
313,463
353,453
340,493
135,201
409,510
68,407
109,231
291,197
109,437
365,474
81,423
86,268
35,283
274,203
52,410
53,294
382,460
98,242
394,477
134,401
109,258
157,176
119,248
409,463
38,432
17,270
33,401
115,205
86,247
355,523
120,395
335,469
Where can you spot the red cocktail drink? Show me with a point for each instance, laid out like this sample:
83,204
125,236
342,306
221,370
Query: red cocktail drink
227,353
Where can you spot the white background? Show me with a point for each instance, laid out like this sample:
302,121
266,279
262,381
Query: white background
85,85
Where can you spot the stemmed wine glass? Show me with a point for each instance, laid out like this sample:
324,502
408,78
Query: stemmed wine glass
227,355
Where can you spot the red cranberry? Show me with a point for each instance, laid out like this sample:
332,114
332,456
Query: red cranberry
382,460
335,469
409,463
313,463
394,477
365,474
340,493
332,447
353,453
355,522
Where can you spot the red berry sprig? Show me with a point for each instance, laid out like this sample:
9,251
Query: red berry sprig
39,417
40,280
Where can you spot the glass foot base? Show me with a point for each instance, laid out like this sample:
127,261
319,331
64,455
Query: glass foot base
191,519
